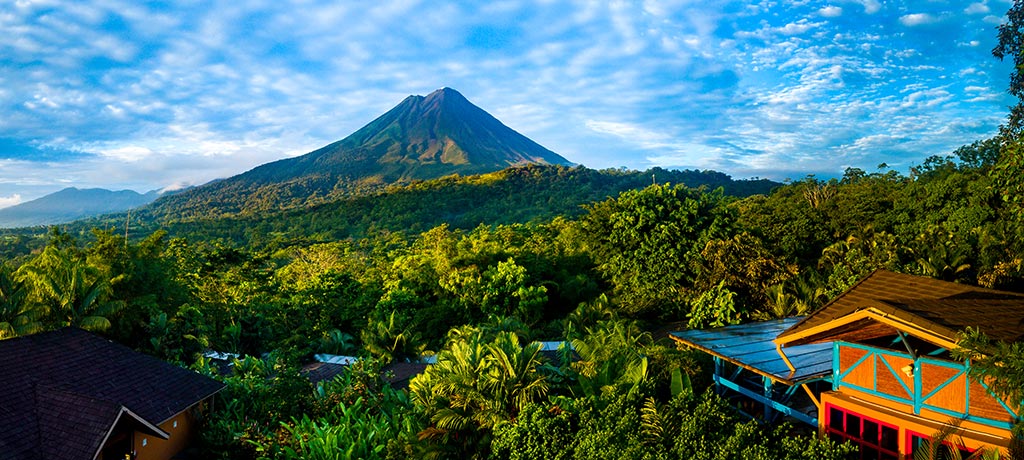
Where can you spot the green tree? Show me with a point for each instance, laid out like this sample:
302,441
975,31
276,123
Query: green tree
647,243
73,293
389,338
611,359
505,292
744,266
1011,44
17,315
474,385
1010,167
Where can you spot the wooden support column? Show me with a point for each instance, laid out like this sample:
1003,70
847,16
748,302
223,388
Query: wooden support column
719,370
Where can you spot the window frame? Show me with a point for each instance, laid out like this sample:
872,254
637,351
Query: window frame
843,433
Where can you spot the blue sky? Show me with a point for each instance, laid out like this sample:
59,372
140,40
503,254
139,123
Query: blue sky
146,95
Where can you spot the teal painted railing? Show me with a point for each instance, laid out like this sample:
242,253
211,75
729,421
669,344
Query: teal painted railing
914,397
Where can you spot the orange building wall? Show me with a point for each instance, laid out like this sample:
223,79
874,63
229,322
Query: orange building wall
874,374
181,431
973,435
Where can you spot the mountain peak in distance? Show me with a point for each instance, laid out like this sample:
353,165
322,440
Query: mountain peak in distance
423,137
435,135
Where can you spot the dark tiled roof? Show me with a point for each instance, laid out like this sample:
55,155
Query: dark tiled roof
939,306
402,373
319,372
63,391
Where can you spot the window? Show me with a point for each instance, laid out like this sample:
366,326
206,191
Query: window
876,440
917,441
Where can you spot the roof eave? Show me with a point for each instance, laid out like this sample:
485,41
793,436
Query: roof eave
156,431
199,400
907,322
774,378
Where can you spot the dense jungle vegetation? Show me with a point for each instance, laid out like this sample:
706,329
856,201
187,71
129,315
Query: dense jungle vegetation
388,278
477,298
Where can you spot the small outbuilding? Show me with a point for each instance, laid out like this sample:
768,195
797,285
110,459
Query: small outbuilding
73,395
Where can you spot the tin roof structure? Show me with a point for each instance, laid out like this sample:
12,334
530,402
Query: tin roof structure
752,347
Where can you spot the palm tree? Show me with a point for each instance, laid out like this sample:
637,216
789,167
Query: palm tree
73,292
336,342
474,385
611,358
946,445
390,338
588,314
17,315
512,378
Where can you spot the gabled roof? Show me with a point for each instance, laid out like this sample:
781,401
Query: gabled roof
930,309
64,391
751,347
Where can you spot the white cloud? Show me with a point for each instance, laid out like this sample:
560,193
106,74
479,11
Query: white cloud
128,153
993,19
831,11
631,132
8,201
799,27
191,92
870,6
976,8
917,19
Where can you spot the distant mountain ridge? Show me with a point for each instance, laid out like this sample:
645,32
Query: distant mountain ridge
71,204
423,137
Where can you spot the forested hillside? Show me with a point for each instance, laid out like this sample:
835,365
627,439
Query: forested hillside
534,193
476,296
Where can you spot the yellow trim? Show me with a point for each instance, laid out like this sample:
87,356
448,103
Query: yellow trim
878,315
841,321
789,364
918,331
814,399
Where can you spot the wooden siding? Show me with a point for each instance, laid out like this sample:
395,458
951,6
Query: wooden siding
863,374
952,396
891,376
985,405
936,389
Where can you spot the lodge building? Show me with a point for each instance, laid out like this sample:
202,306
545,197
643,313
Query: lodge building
873,366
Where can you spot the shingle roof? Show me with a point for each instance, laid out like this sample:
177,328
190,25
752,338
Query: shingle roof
402,373
319,372
940,307
62,392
